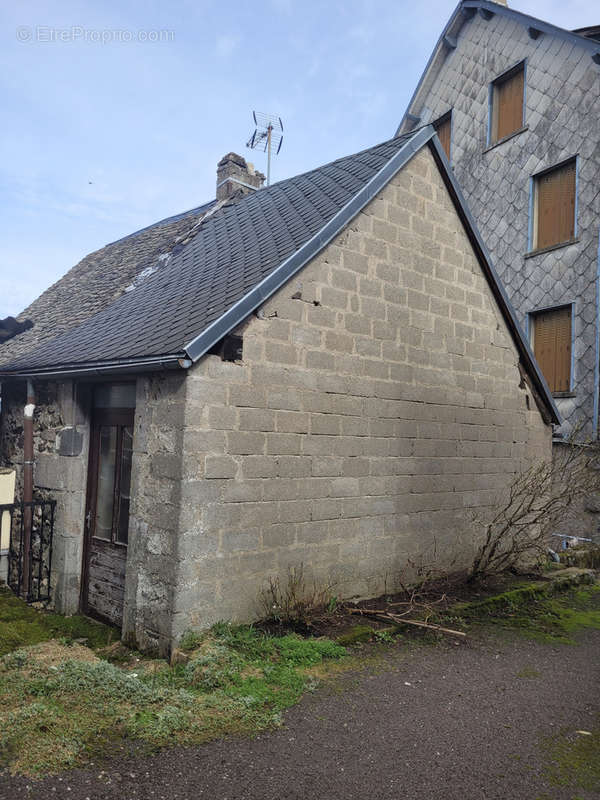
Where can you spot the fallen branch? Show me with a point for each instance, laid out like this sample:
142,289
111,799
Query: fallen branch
379,615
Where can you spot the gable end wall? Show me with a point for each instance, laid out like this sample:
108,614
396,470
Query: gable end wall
378,402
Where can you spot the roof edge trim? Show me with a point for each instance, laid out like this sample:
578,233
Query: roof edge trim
198,346
144,364
494,281
471,6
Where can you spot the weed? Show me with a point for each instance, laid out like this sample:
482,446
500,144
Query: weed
295,603
239,679
190,641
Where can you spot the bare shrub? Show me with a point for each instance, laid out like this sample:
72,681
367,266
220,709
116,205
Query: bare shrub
296,602
533,506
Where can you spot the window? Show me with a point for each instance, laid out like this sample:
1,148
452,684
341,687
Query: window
506,100
554,206
552,346
443,128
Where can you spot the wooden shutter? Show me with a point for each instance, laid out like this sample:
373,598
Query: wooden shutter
507,105
443,129
556,206
552,347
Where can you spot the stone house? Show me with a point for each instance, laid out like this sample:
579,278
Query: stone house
325,371
516,102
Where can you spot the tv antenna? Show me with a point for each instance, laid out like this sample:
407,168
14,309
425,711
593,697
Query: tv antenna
268,136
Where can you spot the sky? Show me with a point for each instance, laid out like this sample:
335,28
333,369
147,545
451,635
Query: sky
116,112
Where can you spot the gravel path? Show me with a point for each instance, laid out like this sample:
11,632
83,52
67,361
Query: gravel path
448,722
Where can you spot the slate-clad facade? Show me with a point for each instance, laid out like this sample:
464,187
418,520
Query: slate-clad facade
561,121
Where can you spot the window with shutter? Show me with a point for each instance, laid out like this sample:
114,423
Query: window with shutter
555,206
443,128
507,103
552,346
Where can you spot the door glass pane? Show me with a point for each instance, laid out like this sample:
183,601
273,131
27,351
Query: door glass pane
106,481
114,395
125,483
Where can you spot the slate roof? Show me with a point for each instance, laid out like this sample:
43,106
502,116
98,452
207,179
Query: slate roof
235,257
98,279
230,253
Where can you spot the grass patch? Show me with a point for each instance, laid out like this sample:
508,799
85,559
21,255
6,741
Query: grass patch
574,760
238,680
22,626
547,612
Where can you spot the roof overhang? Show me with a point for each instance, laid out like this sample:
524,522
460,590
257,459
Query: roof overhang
98,368
487,9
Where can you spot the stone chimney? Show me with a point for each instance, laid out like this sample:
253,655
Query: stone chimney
235,175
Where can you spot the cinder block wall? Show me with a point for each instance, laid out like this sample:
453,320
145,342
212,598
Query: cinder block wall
378,403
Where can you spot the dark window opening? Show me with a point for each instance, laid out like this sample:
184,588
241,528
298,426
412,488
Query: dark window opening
229,348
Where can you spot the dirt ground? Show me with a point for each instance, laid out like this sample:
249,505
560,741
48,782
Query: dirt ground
471,721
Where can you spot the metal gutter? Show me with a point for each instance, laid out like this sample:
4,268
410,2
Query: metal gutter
493,279
597,365
198,346
178,361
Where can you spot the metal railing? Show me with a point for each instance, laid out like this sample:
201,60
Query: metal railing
29,577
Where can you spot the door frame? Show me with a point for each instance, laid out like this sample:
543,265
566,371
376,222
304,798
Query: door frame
100,416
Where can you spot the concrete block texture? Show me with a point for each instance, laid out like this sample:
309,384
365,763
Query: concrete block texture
362,431
562,95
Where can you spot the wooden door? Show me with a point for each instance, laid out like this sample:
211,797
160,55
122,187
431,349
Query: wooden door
107,513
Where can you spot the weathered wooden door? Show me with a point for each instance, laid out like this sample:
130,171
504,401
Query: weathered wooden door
107,513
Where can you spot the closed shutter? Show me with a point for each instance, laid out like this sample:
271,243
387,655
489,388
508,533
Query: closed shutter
556,206
552,347
443,129
509,97
507,105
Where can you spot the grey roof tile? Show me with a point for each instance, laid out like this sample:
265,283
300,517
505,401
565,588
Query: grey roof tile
230,253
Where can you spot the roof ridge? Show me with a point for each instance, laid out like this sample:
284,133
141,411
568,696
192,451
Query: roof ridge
165,221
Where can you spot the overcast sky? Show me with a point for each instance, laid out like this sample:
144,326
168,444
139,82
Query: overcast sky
100,138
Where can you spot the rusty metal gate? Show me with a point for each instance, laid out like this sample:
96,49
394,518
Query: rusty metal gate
28,575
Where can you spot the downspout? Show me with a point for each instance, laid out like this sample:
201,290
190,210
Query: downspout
27,483
597,354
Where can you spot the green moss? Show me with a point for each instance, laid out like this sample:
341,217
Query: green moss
547,611
21,626
239,679
574,760
359,633
529,672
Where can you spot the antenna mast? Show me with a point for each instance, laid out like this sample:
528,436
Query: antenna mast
267,136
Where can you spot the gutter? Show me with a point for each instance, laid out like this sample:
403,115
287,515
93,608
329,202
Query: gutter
91,369
28,412
597,338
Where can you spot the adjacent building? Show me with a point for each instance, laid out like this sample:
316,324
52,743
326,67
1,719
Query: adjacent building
516,103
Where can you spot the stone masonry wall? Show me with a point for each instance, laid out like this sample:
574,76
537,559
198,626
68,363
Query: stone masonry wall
61,440
378,403
154,513
562,97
